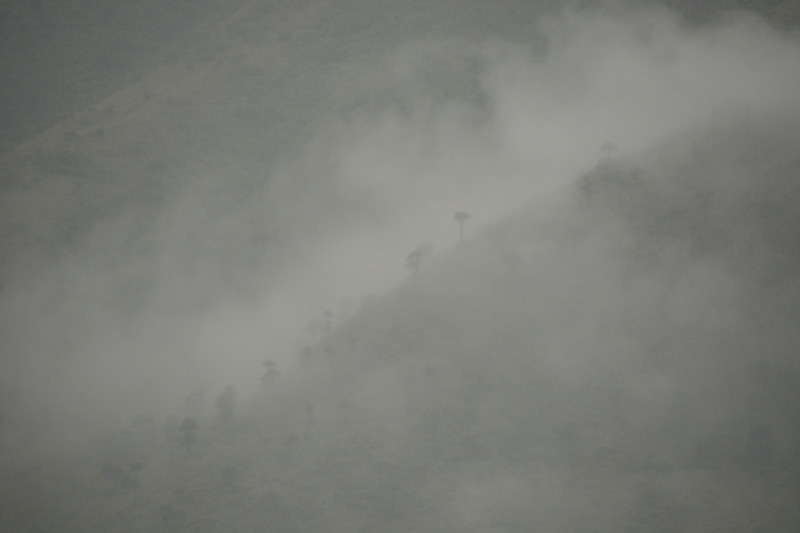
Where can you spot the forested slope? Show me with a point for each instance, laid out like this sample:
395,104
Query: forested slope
620,356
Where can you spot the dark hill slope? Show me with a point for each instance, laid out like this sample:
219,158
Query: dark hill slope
618,357
59,57
624,357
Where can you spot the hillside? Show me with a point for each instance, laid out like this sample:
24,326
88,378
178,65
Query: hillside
53,66
619,356
207,324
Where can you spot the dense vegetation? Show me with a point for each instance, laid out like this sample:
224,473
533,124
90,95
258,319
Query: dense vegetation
630,367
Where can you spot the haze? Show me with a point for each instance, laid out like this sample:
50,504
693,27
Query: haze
237,242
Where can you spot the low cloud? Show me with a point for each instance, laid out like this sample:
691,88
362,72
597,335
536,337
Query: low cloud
150,308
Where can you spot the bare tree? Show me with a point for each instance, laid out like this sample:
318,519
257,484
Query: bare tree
415,258
608,148
315,329
186,435
461,217
225,403
121,477
268,379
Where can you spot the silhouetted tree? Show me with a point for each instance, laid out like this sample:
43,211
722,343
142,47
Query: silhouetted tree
186,435
413,261
608,148
271,374
170,426
308,409
120,477
346,308
315,328
415,258
143,431
228,477
225,403
513,259
461,217
194,404
346,407
170,515
306,355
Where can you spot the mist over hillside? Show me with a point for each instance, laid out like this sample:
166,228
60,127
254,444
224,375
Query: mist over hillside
612,345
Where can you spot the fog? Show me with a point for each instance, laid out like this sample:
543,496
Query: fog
151,305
